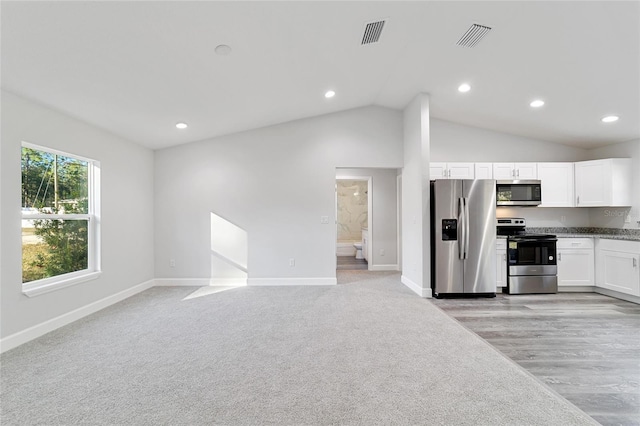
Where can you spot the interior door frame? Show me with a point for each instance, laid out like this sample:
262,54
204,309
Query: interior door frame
369,180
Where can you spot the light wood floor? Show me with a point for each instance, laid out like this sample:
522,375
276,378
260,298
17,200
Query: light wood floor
585,346
350,263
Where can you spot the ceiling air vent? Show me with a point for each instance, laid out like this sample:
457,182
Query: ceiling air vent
372,32
473,35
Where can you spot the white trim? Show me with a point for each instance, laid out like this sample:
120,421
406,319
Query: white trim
46,285
200,282
617,294
384,268
291,281
576,289
369,180
41,329
422,292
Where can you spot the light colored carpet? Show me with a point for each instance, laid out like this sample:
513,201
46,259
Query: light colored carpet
365,352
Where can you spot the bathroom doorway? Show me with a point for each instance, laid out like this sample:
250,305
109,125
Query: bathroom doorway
353,222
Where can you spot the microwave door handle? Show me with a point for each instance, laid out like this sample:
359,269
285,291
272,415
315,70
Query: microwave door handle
466,226
461,228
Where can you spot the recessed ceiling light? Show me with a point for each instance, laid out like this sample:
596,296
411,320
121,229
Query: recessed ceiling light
610,118
223,49
181,125
330,94
464,87
537,103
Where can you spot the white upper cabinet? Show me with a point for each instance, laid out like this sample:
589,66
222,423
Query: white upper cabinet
604,183
451,171
484,170
557,184
520,171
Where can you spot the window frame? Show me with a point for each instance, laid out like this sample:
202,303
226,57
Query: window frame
93,270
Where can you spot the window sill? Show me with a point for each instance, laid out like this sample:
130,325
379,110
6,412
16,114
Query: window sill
36,288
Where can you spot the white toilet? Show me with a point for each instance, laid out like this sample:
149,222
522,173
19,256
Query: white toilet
358,247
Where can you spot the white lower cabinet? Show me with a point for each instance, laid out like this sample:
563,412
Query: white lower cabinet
501,263
575,258
618,266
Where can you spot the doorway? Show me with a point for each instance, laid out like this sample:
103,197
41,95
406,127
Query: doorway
353,222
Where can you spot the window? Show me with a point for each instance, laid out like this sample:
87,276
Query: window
60,219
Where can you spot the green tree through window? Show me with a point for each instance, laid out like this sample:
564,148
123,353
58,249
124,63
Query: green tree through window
56,213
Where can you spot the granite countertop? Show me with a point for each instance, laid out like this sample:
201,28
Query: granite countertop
586,232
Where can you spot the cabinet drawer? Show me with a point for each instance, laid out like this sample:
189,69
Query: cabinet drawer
575,243
501,244
619,245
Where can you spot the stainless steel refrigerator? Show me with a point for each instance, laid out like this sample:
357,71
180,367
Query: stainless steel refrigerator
463,237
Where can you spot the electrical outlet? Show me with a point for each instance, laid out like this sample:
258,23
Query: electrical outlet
172,263
381,252
563,219
292,262
324,220
627,218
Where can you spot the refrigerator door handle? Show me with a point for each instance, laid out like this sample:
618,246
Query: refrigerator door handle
462,230
466,226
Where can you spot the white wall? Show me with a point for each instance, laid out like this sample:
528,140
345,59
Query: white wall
126,211
615,218
457,142
384,214
275,183
416,264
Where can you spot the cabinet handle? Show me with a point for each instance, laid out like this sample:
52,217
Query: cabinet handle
518,172
635,262
578,200
449,172
559,257
504,257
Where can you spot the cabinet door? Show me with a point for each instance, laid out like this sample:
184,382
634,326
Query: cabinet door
438,171
592,180
484,170
575,267
557,184
504,171
619,271
461,170
526,170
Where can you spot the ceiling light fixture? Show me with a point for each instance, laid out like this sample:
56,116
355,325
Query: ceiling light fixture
181,125
610,118
330,94
464,87
537,103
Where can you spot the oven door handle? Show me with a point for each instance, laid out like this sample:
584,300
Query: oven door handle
534,240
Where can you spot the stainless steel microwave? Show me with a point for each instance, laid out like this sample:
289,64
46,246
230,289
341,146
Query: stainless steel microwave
518,193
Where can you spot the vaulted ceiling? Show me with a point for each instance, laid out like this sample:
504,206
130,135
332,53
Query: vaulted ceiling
137,68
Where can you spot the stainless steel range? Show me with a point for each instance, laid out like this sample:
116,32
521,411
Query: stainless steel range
531,258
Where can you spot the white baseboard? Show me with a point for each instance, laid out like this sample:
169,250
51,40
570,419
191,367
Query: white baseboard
291,281
576,289
383,267
422,292
617,295
200,282
38,330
